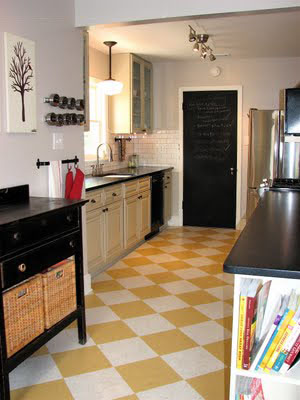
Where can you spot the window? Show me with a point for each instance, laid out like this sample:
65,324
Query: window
98,118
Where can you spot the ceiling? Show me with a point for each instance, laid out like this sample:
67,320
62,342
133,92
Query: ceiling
274,34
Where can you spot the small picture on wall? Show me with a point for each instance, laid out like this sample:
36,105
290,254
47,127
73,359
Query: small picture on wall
20,74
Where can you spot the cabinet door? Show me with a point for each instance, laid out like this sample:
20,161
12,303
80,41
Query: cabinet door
114,230
167,202
145,214
147,103
136,94
95,239
131,220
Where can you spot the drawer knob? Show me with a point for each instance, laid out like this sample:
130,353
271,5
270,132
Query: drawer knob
114,194
93,201
22,267
72,243
17,235
140,197
104,209
69,218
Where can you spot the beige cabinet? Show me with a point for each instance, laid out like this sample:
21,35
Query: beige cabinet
114,230
167,197
131,110
131,231
95,238
145,214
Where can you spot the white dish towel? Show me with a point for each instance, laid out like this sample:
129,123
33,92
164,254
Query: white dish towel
55,179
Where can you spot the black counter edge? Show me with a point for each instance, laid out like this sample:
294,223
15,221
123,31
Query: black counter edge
130,178
271,273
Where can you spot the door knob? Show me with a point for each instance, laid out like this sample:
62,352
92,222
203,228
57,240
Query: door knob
232,171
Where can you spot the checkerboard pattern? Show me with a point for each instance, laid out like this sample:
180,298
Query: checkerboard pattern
159,327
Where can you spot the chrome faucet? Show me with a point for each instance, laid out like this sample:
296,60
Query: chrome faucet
97,170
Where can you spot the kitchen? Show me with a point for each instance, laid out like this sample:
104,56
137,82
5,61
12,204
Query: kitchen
261,80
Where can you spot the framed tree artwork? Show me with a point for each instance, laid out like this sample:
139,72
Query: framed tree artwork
20,75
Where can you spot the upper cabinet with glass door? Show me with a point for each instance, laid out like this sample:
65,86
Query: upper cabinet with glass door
131,110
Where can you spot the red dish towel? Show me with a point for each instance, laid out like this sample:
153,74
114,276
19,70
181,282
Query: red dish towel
76,190
69,183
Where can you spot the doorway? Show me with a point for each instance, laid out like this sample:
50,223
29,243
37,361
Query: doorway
210,127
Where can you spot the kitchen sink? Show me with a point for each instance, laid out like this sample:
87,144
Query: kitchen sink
118,176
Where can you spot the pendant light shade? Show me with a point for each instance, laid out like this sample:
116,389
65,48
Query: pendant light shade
110,86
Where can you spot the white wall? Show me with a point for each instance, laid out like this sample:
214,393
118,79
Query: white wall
59,66
92,12
261,80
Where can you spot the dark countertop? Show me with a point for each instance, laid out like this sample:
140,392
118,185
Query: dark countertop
269,244
96,182
34,206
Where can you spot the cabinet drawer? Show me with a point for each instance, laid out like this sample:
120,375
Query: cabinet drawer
113,194
130,188
17,269
144,184
96,200
27,232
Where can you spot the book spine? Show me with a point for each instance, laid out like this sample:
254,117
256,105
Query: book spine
273,342
268,340
239,362
250,304
287,347
291,357
280,344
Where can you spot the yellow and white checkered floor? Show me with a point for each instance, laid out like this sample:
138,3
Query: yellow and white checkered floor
159,328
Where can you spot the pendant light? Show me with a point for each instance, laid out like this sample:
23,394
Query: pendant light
110,86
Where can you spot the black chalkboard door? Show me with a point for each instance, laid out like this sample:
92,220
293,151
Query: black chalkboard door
210,156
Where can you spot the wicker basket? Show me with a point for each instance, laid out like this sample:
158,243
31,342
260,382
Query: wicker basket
59,285
23,314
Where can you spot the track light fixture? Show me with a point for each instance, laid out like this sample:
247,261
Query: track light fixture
200,44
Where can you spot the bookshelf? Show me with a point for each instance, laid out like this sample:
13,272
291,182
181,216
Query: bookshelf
275,386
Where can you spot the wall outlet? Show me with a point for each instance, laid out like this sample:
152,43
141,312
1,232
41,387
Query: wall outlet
58,141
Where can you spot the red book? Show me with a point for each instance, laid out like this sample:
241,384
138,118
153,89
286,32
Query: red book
291,356
250,309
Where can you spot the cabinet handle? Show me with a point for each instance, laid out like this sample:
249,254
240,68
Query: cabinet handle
17,236
22,267
114,194
72,243
93,201
104,209
140,197
69,218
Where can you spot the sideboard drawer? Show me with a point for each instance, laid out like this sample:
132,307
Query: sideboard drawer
30,231
23,266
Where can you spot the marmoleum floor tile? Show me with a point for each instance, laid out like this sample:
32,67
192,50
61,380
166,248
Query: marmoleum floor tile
207,252
206,386
193,362
33,371
180,286
174,265
148,374
184,255
221,292
134,262
149,292
215,310
41,351
179,390
160,258
122,273
207,282
169,341
99,315
106,286
214,243
160,243
47,391
135,282
190,273
226,322
127,351
103,276
165,303
67,340
173,249
132,397
184,317
106,384
109,332
150,269
200,261
117,297
193,246
149,324
163,277
132,309
221,350
228,278
220,258
206,332
149,252
219,236
197,297
229,301
213,269
92,301
80,361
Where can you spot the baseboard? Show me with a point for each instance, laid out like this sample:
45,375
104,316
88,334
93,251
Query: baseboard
87,284
174,221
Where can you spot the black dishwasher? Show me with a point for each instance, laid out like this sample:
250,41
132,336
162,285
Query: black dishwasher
157,204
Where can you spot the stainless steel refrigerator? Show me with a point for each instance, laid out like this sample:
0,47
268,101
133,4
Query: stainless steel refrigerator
270,156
